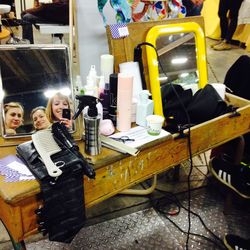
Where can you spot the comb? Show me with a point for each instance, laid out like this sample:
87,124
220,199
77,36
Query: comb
46,146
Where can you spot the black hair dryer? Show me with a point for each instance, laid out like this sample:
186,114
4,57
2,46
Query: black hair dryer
91,123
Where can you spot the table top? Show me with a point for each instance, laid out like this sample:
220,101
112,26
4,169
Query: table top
13,192
204,136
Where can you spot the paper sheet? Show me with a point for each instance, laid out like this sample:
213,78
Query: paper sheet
13,169
140,136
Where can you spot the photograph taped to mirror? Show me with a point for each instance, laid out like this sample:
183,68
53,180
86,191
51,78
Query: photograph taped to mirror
30,75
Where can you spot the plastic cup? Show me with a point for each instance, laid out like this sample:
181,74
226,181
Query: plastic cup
154,124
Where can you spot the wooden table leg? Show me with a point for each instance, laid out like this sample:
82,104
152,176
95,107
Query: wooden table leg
16,245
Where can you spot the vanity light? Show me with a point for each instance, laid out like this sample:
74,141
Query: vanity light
183,75
180,60
51,92
65,91
163,78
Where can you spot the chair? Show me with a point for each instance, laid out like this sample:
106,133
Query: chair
4,33
56,30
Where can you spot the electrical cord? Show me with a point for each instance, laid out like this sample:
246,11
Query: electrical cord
188,125
188,136
170,198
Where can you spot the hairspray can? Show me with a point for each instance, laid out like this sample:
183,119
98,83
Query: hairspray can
124,101
113,97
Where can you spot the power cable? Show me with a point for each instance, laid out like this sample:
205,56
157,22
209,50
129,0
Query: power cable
188,136
172,198
188,125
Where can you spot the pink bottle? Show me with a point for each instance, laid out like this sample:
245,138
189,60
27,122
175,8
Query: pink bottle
124,101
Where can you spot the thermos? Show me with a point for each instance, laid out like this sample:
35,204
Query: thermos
91,122
92,135
113,97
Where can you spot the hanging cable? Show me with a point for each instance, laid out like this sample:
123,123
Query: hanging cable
188,134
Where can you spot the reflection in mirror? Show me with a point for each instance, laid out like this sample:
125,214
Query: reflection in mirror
56,107
30,77
13,113
39,118
177,56
182,58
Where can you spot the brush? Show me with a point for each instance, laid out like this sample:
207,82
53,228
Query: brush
46,146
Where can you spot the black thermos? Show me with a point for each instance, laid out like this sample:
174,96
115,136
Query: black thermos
113,97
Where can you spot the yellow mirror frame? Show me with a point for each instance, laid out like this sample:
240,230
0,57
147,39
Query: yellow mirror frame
161,30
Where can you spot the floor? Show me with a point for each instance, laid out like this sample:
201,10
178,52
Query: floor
129,222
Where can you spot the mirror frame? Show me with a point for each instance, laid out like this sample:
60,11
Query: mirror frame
152,60
16,139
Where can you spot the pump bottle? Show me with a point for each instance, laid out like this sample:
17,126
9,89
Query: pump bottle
144,108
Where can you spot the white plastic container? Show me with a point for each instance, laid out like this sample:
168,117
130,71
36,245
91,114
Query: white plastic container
90,88
93,74
79,90
145,107
154,124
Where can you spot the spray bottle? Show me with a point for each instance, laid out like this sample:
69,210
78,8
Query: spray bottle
91,122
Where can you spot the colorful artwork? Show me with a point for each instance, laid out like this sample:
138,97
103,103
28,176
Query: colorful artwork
143,10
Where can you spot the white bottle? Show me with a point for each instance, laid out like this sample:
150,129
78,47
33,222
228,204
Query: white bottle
90,88
78,86
145,107
101,85
92,74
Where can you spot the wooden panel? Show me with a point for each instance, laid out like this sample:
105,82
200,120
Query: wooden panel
29,218
123,49
12,219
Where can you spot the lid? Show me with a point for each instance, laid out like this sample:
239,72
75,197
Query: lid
144,96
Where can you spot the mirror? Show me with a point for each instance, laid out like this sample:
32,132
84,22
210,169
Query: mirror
30,75
182,58
50,21
177,57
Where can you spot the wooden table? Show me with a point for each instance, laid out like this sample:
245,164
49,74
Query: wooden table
116,172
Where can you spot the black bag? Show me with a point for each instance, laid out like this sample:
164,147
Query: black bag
63,212
63,137
237,80
28,154
206,104
182,110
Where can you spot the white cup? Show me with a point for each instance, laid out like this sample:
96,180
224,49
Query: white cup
220,89
154,124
